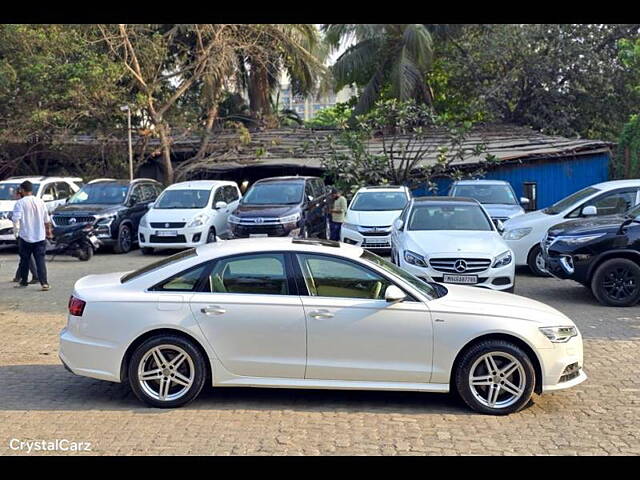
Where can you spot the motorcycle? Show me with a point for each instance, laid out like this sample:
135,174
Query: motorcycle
79,241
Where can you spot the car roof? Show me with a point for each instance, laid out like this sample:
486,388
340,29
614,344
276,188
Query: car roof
613,184
38,179
383,188
481,182
443,200
223,248
200,184
122,181
285,179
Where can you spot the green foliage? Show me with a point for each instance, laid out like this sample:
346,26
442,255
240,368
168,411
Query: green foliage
627,161
335,116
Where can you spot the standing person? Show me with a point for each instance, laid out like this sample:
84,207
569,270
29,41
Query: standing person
30,214
338,212
32,264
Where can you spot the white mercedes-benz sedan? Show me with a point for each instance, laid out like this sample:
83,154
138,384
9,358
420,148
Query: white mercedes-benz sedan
293,313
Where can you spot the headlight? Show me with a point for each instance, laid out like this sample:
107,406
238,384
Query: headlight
503,259
578,239
559,334
104,220
414,259
199,220
516,233
234,219
290,218
350,226
144,222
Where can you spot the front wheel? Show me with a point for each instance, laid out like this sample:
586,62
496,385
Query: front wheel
85,253
167,371
535,260
124,241
495,377
617,283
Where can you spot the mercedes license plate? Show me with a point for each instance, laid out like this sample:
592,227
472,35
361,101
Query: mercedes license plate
467,279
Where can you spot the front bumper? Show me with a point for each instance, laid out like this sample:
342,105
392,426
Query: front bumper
562,365
371,242
501,278
186,237
6,231
522,247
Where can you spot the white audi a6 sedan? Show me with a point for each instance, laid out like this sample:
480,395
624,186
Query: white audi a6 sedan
282,312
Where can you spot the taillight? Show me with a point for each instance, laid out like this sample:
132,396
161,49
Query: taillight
76,306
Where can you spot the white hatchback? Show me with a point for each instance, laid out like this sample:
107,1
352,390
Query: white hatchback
304,313
452,240
189,214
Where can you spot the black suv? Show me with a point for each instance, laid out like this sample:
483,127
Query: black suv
283,206
602,253
115,207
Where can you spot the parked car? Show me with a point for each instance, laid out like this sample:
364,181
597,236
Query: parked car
496,196
452,240
524,233
188,214
115,207
54,191
296,313
371,214
283,206
602,253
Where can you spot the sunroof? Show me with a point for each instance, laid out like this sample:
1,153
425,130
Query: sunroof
316,241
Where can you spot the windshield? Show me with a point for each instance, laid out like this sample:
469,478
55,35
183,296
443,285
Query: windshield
420,285
101,193
183,199
163,262
379,201
494,194
274,194
449,217
8,191
570,200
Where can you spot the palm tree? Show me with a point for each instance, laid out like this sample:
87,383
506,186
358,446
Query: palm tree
393,56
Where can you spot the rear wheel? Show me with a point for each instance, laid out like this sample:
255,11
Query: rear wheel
536,262
495,377
85,253
124,242
616,282
167,371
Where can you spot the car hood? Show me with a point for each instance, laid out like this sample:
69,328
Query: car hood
265,211
7,205
501,210
584,226
176,215
382,218
457,242
483,302
88,209
531,218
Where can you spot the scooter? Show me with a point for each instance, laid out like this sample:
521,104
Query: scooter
79,241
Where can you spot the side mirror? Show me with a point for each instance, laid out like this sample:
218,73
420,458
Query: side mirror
151,205
589,211
500,226
220,205
393,294
310,198
398,224
524,201
47,197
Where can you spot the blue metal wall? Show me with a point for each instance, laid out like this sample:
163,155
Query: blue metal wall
555,178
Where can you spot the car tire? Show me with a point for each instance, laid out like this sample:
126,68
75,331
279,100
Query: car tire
124,241
85,254
616,283
179,386
211,235
495,393
147,250
533,261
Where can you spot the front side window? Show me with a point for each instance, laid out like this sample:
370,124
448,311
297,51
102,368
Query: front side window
567,202
335,277
487,194
63,190
183,199
609,204
260,274
379,201
231,194
449,217
100,194
274,194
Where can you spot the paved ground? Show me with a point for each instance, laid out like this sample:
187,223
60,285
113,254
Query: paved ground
39,400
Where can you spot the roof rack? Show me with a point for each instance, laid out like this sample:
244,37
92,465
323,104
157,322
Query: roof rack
316,241
40,177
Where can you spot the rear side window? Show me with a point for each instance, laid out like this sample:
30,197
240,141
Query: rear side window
159,264
231,194
183,282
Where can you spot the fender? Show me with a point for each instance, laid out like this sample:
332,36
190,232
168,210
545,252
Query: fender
618,253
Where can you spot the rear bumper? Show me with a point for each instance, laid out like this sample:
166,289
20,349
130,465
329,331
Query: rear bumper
89,358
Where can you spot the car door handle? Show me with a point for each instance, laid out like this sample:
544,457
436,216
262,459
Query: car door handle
212,310
320,314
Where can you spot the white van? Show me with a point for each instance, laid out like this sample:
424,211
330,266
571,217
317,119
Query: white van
189,214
